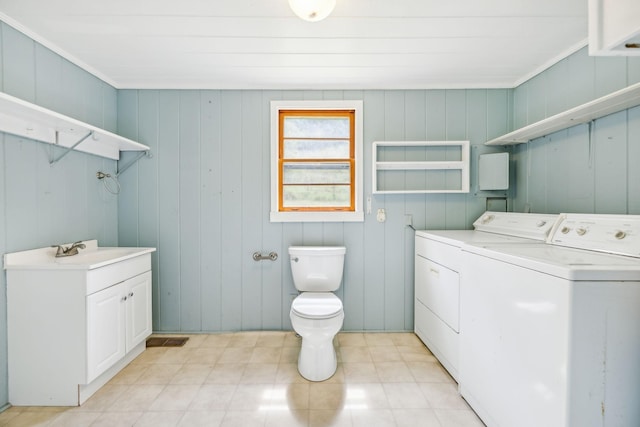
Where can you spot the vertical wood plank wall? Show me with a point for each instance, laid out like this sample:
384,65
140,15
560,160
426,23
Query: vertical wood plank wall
203,201
578,169
42,204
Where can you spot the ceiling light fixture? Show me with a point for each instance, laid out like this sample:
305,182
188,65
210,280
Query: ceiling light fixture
312,10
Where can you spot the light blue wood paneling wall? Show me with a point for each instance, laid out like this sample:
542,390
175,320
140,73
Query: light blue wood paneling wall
42,204
203,201
586,168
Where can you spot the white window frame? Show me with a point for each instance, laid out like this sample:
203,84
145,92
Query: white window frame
305,216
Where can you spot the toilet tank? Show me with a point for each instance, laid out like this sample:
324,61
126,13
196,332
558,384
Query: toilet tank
317,268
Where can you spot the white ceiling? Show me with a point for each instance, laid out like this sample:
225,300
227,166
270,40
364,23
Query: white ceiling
364,44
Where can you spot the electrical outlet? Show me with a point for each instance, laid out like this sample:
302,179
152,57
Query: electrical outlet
381,216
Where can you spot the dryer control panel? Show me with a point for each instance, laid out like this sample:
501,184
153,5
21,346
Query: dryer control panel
526,225
616,234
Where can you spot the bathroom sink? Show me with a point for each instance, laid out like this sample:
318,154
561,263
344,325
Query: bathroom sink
89,258
99,257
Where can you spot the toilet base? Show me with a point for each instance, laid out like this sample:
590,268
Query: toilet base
317,360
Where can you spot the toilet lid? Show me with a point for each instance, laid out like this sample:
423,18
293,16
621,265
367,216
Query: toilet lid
316,305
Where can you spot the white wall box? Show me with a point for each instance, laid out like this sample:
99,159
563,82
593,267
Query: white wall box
420,167
614,28
493,171
22,118
612,103
74,322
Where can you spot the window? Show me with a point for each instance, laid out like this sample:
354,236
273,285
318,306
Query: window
316,152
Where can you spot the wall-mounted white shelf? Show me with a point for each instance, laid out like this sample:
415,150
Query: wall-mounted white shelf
612,103
22,118
406,167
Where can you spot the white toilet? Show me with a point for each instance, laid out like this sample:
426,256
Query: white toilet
316,314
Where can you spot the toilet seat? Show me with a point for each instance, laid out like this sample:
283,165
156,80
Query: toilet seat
316,305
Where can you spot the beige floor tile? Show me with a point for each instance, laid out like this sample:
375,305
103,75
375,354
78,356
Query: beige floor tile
151,355
415,418
159,419
234,418
408,339
360,372
291,396
289,354
330,418
32,419
74,418
354,354
116,419
202,419
137,398
251,379
236,355
378,339
352,339
443,396
385,354
192,374
213,397
366,396
271,339
288,373
405,395
458,418
216,340
327,396
259,373
130,374
429,372
292,418
226,373
104,398
373,417
266,355
175,398
251,397
204,355
394,372
416,354
160,373
244,339
292,340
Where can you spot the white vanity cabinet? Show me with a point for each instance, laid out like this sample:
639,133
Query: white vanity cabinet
75,322
118,319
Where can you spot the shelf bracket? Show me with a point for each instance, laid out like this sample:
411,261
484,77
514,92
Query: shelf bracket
133,161
69,149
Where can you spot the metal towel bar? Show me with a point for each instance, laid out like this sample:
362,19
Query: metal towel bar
257,256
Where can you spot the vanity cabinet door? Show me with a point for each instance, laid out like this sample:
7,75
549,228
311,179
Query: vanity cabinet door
105,329
138,309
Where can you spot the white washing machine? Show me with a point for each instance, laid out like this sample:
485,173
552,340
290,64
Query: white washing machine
437,266
549,333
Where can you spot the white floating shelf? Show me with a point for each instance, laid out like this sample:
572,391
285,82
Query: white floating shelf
612,103
22,118
462,165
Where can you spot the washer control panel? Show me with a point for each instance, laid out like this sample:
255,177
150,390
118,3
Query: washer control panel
526,225
616,234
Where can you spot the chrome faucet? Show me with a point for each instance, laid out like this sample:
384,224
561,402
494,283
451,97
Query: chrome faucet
71,250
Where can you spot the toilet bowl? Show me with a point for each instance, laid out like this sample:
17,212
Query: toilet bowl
317,314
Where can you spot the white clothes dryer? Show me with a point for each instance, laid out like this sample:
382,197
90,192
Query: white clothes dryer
549,332
437,265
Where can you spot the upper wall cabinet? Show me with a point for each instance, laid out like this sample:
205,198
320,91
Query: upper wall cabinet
28,120
614,27
420,167
612,103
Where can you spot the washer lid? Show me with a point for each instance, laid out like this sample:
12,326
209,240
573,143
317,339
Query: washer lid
316,305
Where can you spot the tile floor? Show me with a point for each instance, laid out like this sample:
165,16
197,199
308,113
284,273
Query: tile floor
250,379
